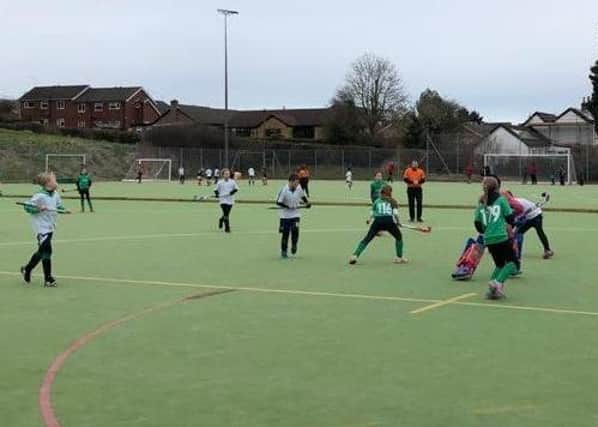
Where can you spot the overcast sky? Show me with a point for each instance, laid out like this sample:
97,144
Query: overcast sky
505,58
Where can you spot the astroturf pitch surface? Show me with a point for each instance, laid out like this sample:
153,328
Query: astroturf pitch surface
309,341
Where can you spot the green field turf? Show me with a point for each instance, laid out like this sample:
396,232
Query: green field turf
438,193
309,341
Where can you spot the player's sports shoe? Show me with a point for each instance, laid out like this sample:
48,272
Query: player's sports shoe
26,274
496,290
50,283
284,255
294,250
353,260
399,260
420,220
220,223
548,254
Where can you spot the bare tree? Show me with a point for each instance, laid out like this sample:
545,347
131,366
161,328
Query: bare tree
374,85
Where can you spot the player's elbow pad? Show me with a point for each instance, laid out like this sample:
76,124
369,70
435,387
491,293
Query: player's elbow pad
217,193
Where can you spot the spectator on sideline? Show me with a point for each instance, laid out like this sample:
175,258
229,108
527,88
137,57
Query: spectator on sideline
414,177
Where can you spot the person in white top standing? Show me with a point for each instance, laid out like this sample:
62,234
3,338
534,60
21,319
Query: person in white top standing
289,200
225,190
251,174
208,176
181,174
44,208
349,178
216,175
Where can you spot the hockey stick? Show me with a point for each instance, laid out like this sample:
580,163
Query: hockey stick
70,190
275,208
420,228
203,198
60,211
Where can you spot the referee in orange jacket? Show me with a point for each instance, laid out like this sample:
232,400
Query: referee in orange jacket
414,177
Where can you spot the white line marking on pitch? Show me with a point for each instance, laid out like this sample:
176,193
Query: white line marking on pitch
442,303
554,310
259,232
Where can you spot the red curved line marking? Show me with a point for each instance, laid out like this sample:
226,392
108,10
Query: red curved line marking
45,401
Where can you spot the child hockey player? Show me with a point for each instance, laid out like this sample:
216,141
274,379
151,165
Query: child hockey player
251,175
225,191
376,187
289,200
492,218
349,178
385,216
529,215
83,186
44,208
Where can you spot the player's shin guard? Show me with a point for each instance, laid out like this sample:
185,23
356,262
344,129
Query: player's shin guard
399,248
506,272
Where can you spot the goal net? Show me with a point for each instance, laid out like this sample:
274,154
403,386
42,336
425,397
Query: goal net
150,169
66,167
520,167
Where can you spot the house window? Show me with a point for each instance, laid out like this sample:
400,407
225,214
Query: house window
28,105
98,106
273,133
43,105
60,105
81,108
81,124
114,106
242,132
60,123
304,132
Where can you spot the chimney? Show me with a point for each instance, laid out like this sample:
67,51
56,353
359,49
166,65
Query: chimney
174,104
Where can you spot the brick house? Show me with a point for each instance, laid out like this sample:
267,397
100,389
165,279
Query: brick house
305,123
120,108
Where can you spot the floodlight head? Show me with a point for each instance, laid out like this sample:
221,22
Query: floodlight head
227,12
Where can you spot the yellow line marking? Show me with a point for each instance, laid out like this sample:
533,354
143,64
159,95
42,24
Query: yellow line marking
555,310
443,303
238,288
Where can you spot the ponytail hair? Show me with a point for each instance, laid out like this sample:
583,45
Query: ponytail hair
386,194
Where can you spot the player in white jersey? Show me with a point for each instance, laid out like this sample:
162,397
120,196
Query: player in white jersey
225,190
181,174
290,198
251,175
529,215
44,208
349,178
216,175
208,175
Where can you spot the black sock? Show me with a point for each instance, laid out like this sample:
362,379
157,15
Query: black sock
47,265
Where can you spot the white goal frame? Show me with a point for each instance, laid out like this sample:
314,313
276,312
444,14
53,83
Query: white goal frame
153,160
564,155
51,155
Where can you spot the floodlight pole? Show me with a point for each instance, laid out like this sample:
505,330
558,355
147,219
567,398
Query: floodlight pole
226,13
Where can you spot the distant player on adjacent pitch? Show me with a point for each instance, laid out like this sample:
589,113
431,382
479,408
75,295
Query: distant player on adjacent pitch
349,178
383,217
251,175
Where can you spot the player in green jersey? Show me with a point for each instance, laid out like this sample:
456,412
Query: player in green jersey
83,185
376,187
384,217
493,217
